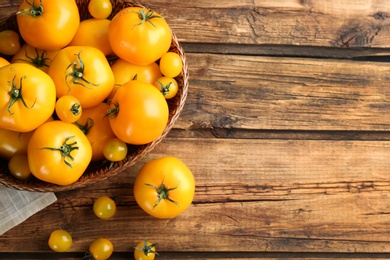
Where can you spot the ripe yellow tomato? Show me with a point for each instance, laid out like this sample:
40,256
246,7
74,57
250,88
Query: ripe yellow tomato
167,86
9,42
93,32
27,97
139,35
101,249
36,57
83,72
18,167
68,108
139,113
58,152
48,24
164,187
145,250
100,9
60,240
171,64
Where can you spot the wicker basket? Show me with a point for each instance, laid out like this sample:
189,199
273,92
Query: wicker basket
98,170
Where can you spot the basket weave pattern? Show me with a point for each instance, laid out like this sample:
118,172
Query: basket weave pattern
98,170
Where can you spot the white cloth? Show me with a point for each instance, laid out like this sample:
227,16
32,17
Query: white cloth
17,206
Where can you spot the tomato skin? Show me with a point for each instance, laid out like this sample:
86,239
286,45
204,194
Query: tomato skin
104,207
101,249
36,57
34,103
51,165
68,108
125,71
177,179
167,86
18,167
93,32
115,150
100,9
54,28
13,143
143,113
9,42
60,240
3,62
136,41
145,251
171,64
65,71
98,130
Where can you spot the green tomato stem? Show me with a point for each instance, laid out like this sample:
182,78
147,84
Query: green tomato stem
65,150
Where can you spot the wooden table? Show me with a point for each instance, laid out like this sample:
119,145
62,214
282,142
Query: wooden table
286,129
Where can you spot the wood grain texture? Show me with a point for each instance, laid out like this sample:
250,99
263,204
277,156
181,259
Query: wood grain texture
332,23
285,128
268,196
286,94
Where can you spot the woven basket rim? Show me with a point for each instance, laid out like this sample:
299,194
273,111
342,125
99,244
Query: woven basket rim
175,109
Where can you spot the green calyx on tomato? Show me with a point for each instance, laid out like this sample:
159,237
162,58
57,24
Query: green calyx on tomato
38,61
34,11
113,112
87,126
163,193
146,16
65,150
164,88
147,248
16,94
77,73
75,109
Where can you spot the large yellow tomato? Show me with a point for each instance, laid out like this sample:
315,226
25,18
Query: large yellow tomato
36,57
93,32
27,97
139,113
164,187
58,152
83,72
48,24
139,35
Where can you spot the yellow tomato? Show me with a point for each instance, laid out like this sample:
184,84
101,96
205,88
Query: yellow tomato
36,57
83,72
93,32
27,97
9,42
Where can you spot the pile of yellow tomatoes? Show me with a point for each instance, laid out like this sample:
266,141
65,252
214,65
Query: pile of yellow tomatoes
65,103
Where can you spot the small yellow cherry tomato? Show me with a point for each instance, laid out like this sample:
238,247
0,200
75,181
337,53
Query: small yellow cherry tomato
145,250
101,249
60,240
68,109
171,64
100,9
9,42
104,207
115,150
18,167
167,86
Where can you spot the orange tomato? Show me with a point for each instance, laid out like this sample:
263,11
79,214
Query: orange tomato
83,72
48,24
139,35
93,32
9,42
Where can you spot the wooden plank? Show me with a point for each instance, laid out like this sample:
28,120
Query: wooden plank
286,94
252,196
332,23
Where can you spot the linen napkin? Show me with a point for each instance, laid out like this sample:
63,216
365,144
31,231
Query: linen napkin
16,206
